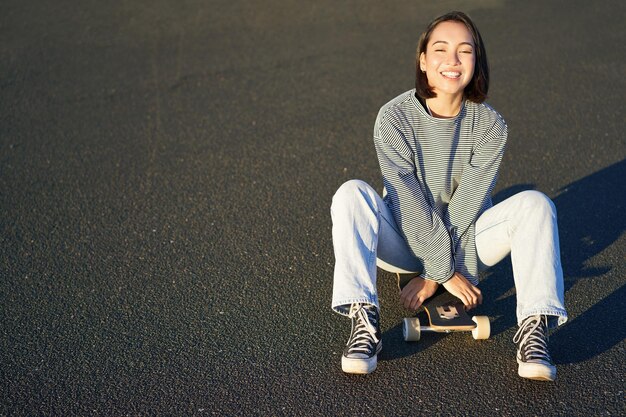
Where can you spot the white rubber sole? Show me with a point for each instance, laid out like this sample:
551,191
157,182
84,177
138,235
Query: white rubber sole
360,366
536,371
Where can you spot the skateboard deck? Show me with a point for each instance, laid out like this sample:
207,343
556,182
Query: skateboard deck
446,312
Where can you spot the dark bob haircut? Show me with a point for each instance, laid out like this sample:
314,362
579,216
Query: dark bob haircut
478,87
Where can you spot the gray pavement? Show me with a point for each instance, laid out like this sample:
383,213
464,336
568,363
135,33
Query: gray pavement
166,170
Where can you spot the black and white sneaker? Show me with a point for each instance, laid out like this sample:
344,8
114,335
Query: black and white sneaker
359,356
532,353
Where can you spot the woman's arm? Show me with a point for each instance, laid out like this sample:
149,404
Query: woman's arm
425,231
477,181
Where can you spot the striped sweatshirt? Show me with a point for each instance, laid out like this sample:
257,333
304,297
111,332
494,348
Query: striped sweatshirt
438,176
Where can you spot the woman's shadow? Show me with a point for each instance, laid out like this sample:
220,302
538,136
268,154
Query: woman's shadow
592,217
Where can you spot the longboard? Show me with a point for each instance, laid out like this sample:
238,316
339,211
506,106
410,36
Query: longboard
446,314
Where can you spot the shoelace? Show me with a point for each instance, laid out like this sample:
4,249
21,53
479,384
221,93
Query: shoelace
364,332
533,338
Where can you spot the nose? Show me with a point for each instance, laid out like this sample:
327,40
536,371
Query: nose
452,58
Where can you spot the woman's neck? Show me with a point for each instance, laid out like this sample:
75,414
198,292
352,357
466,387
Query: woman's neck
444,106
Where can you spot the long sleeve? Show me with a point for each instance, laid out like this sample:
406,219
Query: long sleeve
439,175
478,178
424,230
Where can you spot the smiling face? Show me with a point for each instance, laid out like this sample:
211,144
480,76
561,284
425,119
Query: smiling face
449,59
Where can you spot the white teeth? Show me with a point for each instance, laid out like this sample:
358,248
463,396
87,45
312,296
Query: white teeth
451,74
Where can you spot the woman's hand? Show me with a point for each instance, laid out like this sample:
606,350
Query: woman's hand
416,292
460,287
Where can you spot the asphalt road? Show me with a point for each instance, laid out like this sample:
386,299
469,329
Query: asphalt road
166,171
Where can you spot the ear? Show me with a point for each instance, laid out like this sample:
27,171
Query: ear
423,62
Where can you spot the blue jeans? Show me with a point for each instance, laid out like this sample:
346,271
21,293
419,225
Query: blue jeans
365,235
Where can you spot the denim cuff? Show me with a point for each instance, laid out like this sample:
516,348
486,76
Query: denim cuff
343,307
556,316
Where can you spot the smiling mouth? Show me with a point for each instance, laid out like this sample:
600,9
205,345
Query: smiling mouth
451,74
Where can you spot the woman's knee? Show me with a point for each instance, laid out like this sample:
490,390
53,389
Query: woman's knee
536,200
350,190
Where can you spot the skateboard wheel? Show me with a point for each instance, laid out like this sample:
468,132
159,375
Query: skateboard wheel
411,329
483,328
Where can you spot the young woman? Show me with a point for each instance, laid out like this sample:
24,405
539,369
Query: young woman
439,148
